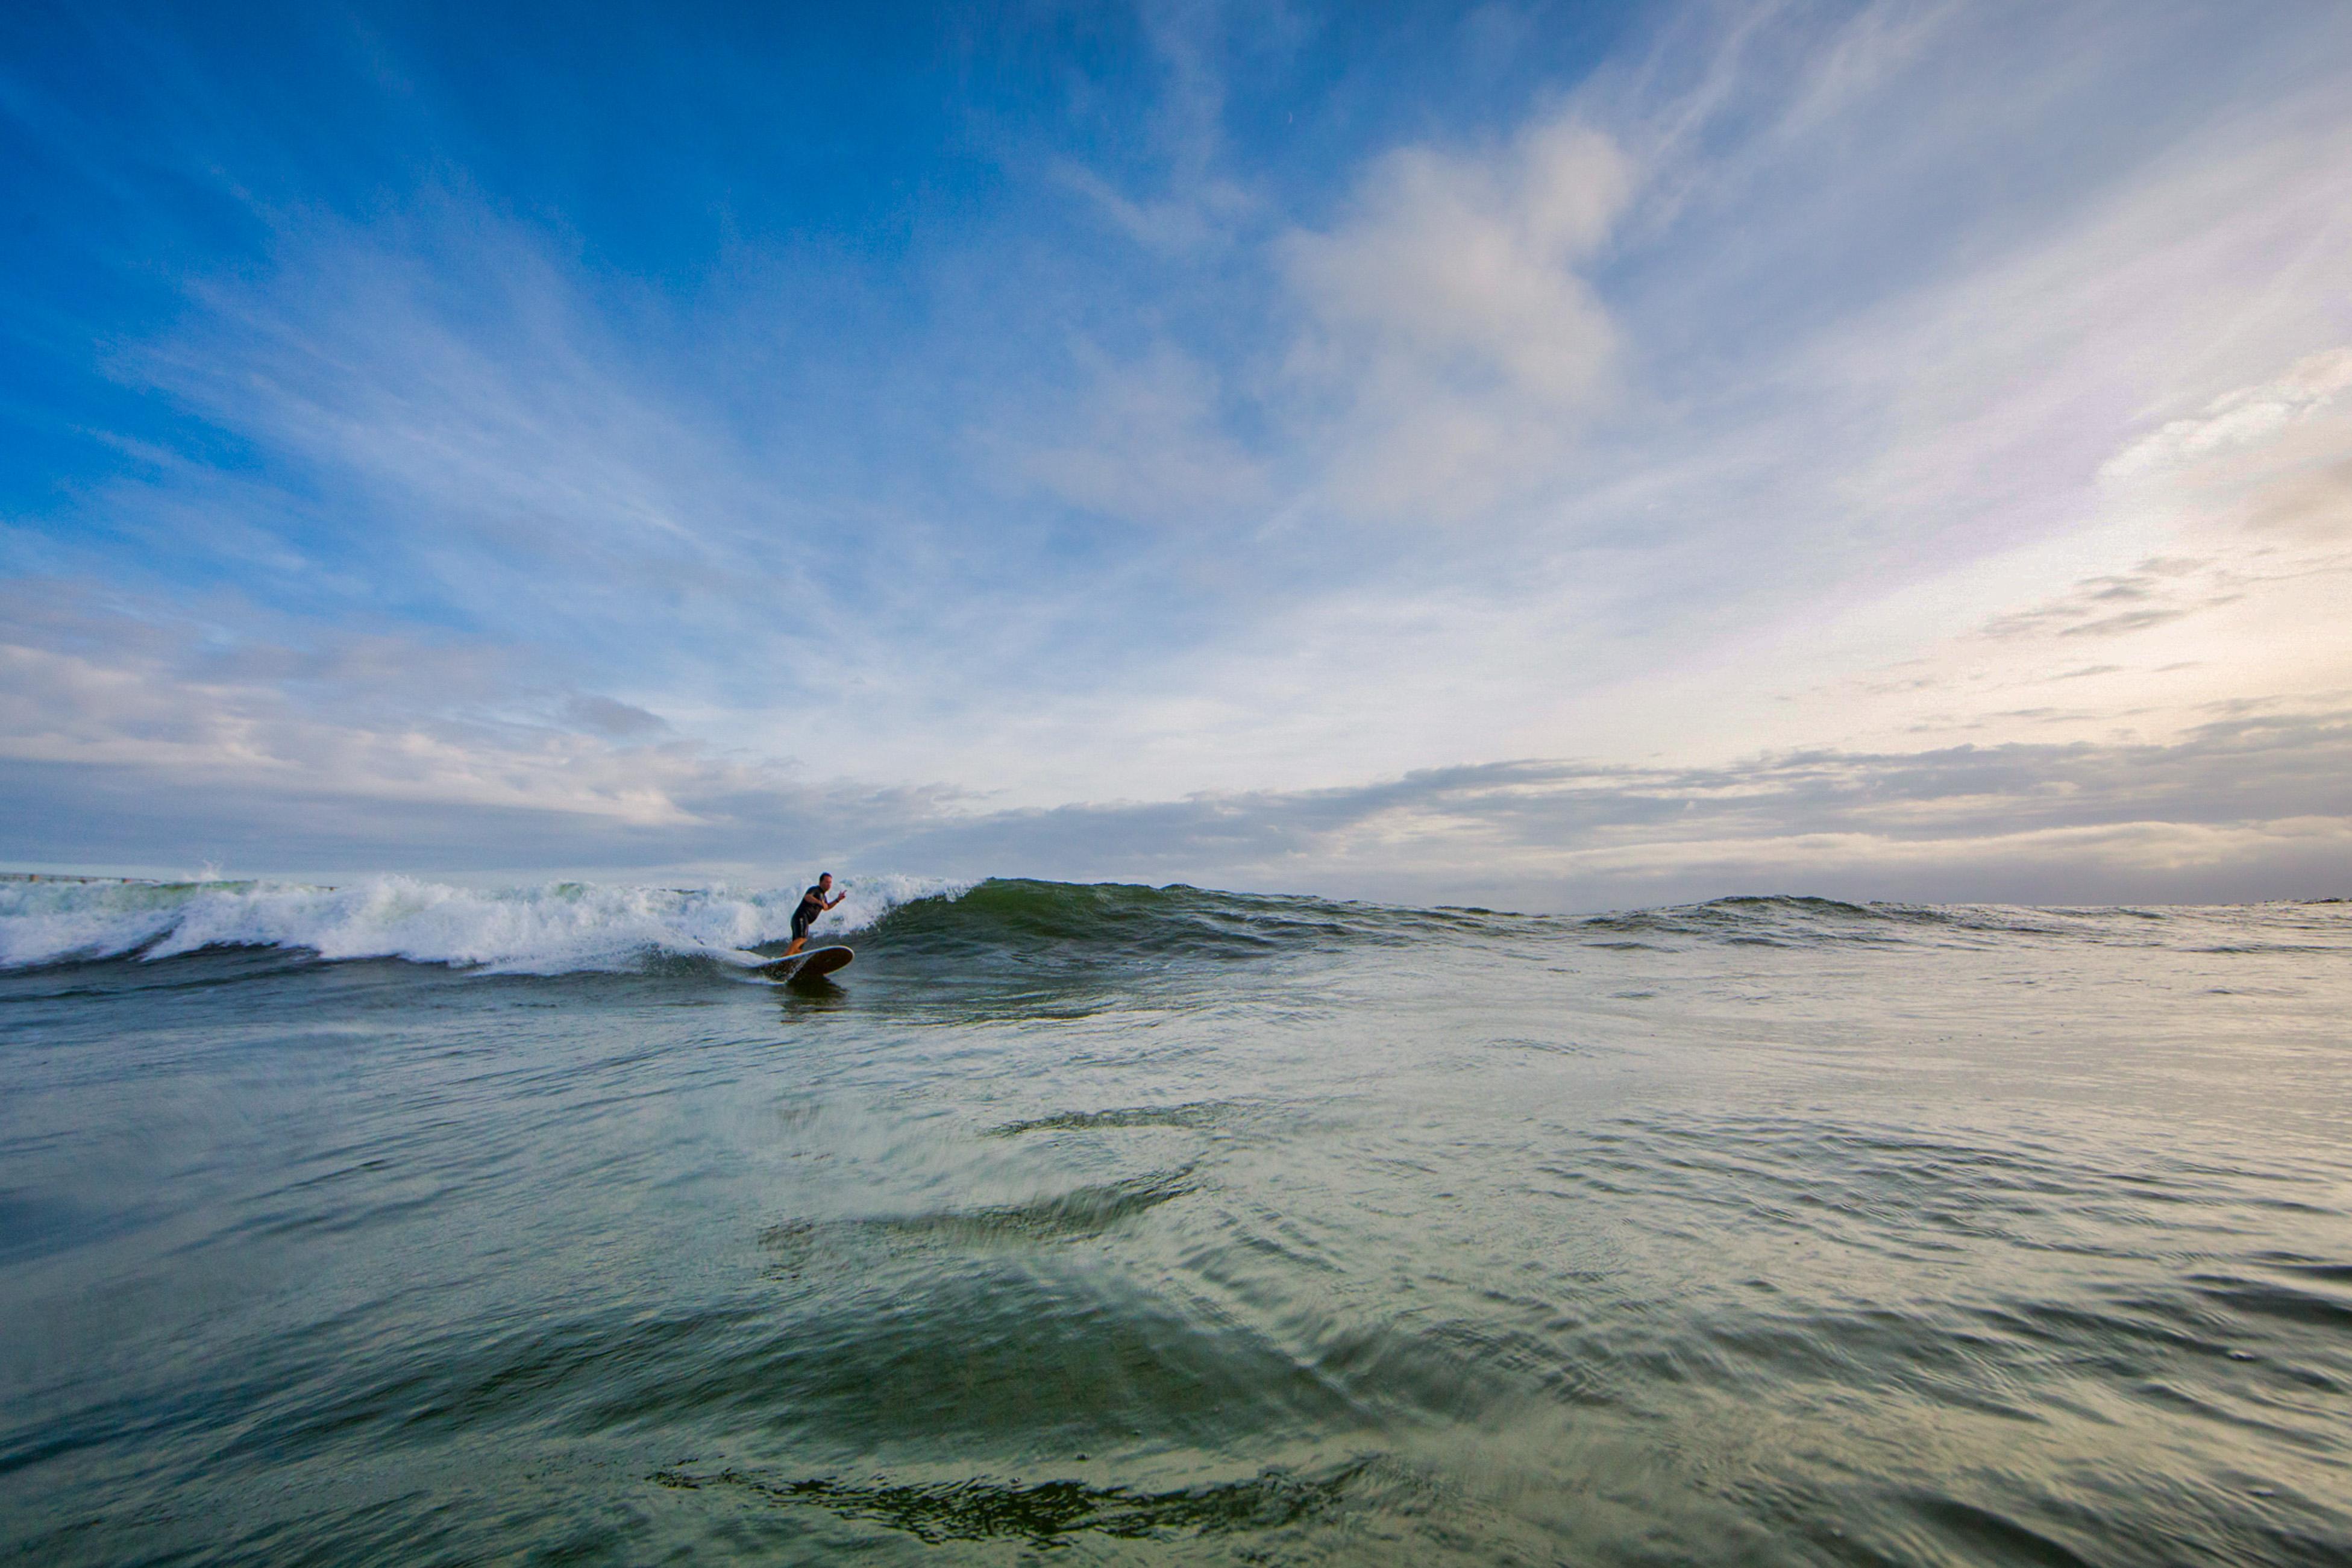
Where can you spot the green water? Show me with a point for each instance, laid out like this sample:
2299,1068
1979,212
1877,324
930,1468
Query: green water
1108,1225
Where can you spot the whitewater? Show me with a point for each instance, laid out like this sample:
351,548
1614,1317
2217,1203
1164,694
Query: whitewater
396,1221
550,928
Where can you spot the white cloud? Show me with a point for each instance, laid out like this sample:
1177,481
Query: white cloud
2244,418
1466,265
1450,323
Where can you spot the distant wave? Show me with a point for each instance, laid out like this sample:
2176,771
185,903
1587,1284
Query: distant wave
565,927
551,929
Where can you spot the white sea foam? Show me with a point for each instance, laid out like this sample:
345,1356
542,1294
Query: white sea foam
548,930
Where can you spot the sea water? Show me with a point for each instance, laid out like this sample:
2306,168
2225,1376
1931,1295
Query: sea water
400,1223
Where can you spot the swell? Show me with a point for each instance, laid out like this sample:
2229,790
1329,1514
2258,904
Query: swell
1064,923
1114,920
567,927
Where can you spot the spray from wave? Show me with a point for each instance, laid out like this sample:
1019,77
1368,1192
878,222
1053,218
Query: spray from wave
553,929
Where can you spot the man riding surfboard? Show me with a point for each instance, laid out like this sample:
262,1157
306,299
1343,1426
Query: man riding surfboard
814,904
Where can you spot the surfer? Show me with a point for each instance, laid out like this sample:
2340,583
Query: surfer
812,903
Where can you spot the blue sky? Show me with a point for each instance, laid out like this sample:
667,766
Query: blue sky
1558,455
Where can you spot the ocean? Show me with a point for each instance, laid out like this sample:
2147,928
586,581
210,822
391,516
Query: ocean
405,1223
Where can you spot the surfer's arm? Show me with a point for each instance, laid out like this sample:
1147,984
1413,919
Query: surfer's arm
836,898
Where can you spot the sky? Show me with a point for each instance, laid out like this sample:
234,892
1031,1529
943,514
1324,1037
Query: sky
1548,455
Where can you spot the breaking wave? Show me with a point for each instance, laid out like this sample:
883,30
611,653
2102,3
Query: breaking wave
553,928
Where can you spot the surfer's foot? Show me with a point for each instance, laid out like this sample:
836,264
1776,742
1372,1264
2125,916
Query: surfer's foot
798,942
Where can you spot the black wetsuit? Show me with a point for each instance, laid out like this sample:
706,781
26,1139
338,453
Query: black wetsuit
811,906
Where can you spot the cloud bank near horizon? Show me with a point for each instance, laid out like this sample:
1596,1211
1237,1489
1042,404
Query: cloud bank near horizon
211,767
1554,456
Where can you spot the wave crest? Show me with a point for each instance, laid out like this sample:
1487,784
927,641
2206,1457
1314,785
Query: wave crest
553,928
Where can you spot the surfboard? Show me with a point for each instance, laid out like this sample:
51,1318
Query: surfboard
807,965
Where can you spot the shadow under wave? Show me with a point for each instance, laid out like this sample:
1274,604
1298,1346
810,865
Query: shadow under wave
1045,1513
1197,1113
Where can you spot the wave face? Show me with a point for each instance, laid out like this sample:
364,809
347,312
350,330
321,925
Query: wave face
567,927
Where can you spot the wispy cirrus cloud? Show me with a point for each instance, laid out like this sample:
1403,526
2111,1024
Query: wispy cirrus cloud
2242,417
2109,604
